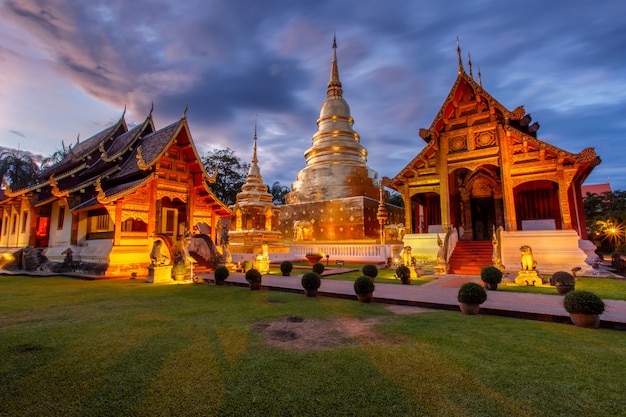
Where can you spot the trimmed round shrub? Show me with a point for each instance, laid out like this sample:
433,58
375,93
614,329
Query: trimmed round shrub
562,278
370,270
247,265
253,275
364,285
286,267
311,281
491,275
403,272
221,273
318,268
583,302
472,293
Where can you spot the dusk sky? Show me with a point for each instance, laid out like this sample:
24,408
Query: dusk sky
69,67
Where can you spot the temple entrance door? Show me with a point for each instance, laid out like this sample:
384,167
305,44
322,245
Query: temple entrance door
168,223
483,217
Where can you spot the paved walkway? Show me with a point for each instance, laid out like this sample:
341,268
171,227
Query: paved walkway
442,294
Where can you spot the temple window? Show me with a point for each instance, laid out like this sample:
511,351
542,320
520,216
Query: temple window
134,225
14,225
24,221
61,218
99,225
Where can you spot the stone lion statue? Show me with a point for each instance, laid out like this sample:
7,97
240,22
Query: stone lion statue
528,262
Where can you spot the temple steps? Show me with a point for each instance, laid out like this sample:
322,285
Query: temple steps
469,257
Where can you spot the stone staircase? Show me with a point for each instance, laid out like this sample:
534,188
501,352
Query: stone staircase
469,257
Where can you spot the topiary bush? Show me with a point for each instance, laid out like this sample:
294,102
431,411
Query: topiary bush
253,276
318,268
311,281
221,273
491,275
583,302
364,285
562,278
472,293
403,273
370,270
247,265
286,267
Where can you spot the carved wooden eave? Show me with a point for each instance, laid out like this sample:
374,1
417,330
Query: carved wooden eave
103,153
210,178
55,189
103,198
141,164
7,189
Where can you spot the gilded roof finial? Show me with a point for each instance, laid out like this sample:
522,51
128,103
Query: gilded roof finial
151,109
480,81
469,64
186,108
254,158
334,85
458,52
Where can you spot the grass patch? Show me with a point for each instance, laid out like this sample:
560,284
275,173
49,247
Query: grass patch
127,348
606,288
385,276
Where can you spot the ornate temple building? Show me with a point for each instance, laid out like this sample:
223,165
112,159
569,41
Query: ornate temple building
335,197
484,168
111,198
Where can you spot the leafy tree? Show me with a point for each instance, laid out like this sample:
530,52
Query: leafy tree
56,157
279,192
396,199
18,169
606,215
231,173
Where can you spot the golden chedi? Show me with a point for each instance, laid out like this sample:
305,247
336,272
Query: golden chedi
335,197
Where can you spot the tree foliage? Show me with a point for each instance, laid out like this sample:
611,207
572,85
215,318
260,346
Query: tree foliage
56,157
279,192
396,199
606,218
18,169
231,173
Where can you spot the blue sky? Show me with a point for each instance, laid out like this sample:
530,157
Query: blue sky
70,67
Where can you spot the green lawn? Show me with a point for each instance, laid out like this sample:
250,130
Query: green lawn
607,288
127,348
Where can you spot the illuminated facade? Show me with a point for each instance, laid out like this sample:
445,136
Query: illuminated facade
335,197
483,168
111,197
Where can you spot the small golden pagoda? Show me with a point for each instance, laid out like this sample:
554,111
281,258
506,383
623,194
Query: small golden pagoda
255,216
335,197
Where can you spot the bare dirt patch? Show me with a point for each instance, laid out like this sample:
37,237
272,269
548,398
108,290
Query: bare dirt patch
294,332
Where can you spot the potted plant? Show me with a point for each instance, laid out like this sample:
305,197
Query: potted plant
403,273
179,270
311,282
364,288
254,277
471,295
221,273
584,308
491,277
314,257
370,270
563,281
318,268
285,268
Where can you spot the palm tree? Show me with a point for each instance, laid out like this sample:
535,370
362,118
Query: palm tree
56,157
18,169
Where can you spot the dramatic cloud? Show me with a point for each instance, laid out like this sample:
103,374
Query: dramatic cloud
71,67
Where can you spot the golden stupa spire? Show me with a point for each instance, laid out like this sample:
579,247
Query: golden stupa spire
458,52
255,160
334,85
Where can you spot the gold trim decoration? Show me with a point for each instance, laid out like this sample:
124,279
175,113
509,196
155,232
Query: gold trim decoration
7,188
101,197
485,139
457,143
141,164
55,189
